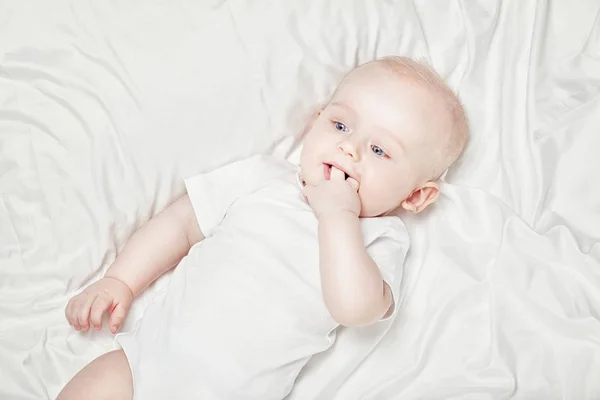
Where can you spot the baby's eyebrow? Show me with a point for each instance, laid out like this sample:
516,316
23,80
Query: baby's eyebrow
393,138
342,106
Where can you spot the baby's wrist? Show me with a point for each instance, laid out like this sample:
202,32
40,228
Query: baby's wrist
120,281
336,215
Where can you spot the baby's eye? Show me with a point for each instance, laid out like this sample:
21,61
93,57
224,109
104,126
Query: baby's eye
377,150
340,127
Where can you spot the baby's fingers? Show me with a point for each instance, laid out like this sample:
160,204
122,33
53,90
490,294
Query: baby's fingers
117,316
101,304
353,183
337,174
307,192
82,312
69,313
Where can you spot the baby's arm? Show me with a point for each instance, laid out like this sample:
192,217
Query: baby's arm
154,249
353,288
157,246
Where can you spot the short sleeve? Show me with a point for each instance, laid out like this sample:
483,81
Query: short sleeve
212,193
388,250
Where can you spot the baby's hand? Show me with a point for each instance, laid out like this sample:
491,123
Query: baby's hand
334,195
107,295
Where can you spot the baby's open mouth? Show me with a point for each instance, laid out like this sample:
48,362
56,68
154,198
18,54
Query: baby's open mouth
327,171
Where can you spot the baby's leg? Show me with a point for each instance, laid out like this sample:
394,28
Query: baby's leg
107,377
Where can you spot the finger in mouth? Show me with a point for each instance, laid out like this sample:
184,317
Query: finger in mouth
327,171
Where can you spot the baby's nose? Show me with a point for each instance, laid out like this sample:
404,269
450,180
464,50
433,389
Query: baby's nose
350,149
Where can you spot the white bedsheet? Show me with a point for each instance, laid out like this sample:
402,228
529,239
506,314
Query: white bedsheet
106,106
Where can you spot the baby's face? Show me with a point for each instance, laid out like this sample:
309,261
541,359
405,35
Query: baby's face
375,129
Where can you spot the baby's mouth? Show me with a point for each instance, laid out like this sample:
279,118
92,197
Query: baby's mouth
327,172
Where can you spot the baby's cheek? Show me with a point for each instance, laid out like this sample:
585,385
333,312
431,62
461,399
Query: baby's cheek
371,202
364,200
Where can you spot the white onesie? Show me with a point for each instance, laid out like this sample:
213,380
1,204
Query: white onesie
243,312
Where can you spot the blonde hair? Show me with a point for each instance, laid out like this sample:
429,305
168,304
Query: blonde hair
455,140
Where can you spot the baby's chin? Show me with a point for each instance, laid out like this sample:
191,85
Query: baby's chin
371,214
370,210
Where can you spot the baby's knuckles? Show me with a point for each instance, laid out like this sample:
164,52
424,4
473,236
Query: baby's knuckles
330,197
106,289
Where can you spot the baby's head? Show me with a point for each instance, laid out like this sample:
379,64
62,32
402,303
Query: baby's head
395,127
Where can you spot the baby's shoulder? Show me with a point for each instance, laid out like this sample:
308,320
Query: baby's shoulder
272,181
271,162
267,168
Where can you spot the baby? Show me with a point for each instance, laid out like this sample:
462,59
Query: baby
273,257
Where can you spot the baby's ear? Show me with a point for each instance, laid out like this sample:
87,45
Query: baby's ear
421,197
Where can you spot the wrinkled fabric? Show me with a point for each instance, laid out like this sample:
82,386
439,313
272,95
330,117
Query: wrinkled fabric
106,106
